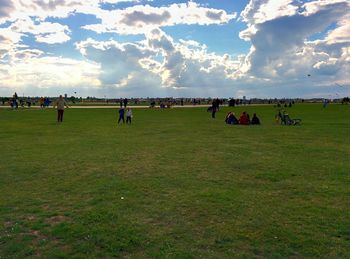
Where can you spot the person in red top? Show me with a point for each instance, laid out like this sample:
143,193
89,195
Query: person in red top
244,119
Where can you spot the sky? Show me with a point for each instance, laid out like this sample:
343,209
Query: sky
153,48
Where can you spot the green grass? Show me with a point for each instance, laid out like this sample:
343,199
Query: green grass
192,186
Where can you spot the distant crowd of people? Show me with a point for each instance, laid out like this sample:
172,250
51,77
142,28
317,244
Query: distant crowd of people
124,111
15,102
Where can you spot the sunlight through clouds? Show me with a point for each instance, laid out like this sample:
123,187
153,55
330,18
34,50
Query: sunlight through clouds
140,47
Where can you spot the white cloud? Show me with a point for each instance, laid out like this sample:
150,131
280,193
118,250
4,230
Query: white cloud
142,18
8,42
173,65
46,32
260,11
340,34
280,50
281,32
117,60
319,5
6,7
30,69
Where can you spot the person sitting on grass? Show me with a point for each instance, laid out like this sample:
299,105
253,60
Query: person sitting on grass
228,115
255,120
244,119
231,119
278,117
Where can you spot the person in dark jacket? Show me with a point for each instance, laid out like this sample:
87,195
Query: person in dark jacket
121,115
255,120
213,110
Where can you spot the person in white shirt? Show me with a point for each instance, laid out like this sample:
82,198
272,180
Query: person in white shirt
128,115
60,103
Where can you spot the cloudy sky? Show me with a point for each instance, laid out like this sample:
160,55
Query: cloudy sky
140,48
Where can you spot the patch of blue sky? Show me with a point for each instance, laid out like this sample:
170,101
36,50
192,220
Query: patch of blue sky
122,5
159,3
322,34
66,49
126,4
220,39
77,21
228,6
5,24
77,34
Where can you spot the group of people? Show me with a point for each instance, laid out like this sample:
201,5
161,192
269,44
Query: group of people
244,119
230,118
122,115
61,103
44,102
15,101
123,101
121,112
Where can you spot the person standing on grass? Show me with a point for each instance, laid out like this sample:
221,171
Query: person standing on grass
125,102
325,103
213,110
128,116
60,103
41,102
121,115
15,101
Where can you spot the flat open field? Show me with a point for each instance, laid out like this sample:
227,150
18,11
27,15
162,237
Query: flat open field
174,184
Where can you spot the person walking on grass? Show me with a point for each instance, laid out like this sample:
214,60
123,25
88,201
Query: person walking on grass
60,103
128,116
121,115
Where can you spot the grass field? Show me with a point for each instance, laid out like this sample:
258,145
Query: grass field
174,184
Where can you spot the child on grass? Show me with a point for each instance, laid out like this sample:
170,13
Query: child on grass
128,116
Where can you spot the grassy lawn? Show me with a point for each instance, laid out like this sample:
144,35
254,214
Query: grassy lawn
174,184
